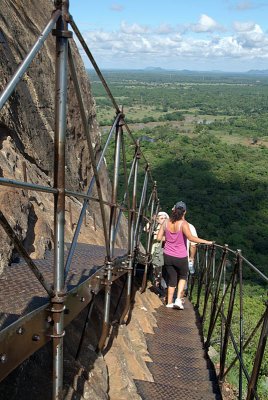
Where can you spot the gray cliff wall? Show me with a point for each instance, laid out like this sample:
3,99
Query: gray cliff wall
27,135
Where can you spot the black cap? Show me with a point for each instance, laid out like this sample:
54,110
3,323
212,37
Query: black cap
180,204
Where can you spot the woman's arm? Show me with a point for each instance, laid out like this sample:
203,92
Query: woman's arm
187,233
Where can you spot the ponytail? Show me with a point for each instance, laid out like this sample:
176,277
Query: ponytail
177,214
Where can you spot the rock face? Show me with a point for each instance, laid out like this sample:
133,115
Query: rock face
27,136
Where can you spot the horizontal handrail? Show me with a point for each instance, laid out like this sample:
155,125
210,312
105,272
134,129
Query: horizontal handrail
27,185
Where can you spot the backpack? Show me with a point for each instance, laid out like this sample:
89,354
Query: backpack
158,256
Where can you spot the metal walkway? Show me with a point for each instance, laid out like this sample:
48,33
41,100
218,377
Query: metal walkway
25,317
21,294
179,364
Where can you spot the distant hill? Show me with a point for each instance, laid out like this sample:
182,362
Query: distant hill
258,72
192,72
155,69
160,70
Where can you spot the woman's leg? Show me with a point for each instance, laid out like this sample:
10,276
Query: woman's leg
171,290
182,271
181,286
172,277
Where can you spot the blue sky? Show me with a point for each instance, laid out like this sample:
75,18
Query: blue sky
225,35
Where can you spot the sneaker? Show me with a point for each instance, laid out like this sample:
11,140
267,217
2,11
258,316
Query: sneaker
170,305
178,304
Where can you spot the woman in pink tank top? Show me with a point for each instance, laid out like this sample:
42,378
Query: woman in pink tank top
176,231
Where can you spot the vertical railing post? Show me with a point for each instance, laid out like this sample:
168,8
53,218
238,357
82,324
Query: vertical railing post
139,226
258,357
118,136
152,224
128,265
216,297
241,323
109,264
229,318
134,199
141,210
62,34
209,280
201,277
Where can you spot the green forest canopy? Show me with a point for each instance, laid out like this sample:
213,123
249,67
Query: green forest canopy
210,151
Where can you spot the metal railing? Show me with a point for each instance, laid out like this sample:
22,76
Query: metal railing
235,324
217,287
137,206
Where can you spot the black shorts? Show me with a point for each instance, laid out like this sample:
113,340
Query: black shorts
176,268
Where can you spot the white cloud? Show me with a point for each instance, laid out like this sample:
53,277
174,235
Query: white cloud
253,38
243,26
137,46
133,29
205,24
164,29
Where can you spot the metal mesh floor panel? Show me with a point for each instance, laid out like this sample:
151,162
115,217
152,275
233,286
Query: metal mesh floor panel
189,341
156,347
155,391
180,366
22,293
187,373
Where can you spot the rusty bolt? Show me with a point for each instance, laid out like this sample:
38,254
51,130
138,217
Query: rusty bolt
20,330
3,358
36,338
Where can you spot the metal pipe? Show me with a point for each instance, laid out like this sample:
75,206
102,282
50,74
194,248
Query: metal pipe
7,92
228,320
141,208
258,358
241,323
130,250
84,196
124,198
107,302
26,185
216,298
91,58
134,197
129,262
209,281
62,35
89,312
108,281
129,289
246,343
106,87
150,233
139,227
255,269
119,133
201,277
95,167
13,237
241,361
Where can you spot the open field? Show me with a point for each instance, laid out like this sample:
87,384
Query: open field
235,108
